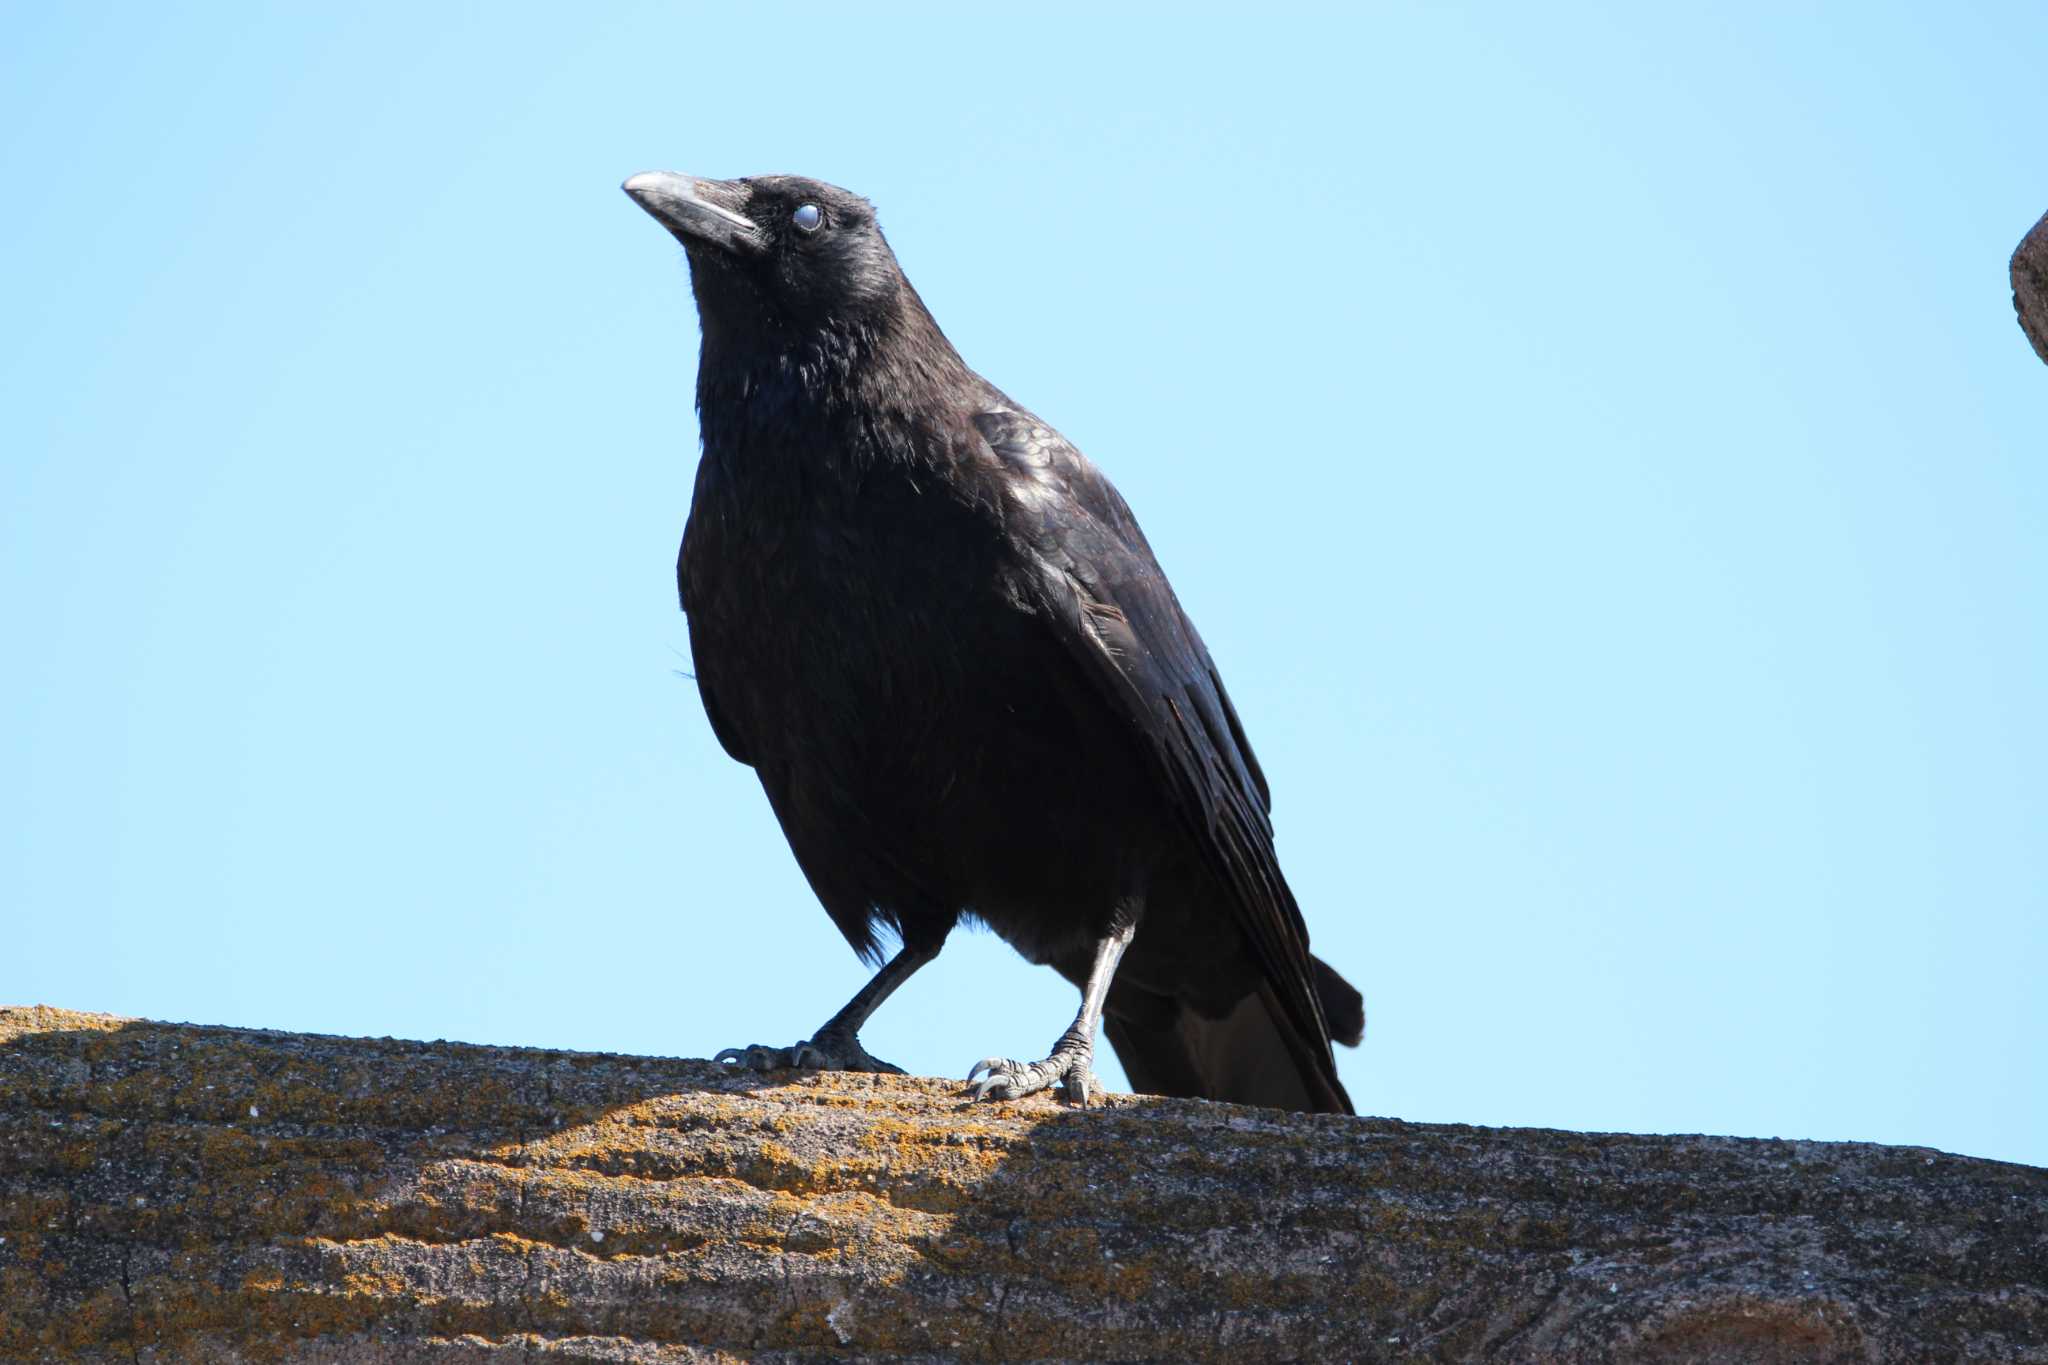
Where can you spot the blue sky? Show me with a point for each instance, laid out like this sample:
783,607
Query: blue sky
1594,441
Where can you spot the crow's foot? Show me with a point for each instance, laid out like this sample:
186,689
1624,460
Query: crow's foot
829,1051
1071,1066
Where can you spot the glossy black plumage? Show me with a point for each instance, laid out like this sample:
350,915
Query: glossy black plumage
935,631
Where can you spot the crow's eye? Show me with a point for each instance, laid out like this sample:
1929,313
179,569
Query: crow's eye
807,217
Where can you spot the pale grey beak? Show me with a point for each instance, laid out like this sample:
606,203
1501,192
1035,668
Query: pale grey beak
698,212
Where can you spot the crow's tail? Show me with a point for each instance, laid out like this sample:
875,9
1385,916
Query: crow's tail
1252,1055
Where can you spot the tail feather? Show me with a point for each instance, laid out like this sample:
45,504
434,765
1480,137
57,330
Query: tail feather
1343,1006
1250,1056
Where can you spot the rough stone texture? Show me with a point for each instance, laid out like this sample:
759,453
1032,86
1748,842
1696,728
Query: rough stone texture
2030,286
172,1193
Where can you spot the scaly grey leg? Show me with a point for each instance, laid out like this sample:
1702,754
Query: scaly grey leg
1073,1056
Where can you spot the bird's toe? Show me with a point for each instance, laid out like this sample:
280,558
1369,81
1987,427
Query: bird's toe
1005,1079
840,1051
826,1052
1081,1086
756,1057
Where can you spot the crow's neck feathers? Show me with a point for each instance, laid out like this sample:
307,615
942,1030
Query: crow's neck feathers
885,365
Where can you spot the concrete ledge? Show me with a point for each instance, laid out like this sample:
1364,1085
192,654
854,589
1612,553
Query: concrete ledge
174,1193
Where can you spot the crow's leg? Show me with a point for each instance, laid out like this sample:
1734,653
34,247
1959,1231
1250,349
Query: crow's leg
836,1046
1073,1056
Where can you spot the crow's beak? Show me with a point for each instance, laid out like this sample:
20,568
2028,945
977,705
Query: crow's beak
698,212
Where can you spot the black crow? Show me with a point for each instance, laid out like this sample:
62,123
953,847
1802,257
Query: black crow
935,632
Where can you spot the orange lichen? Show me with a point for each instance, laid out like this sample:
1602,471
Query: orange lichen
442,1193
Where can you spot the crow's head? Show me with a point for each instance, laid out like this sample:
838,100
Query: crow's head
774,252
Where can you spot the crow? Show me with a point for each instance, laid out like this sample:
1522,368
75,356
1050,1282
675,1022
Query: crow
936,633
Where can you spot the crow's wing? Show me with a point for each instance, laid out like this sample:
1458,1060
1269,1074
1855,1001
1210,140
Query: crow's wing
721,721
1111,606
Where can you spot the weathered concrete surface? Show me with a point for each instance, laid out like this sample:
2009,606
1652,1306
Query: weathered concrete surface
2030,286
178,1193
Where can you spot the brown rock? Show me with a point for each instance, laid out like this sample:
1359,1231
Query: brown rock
2030,286
171,1193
